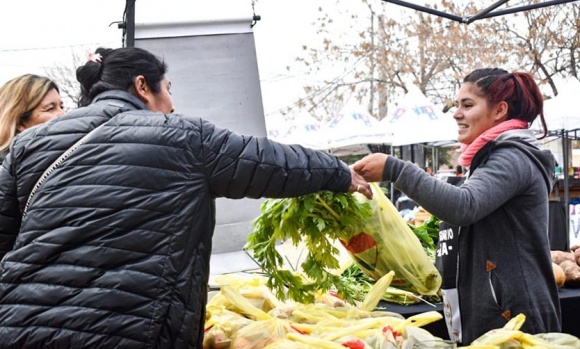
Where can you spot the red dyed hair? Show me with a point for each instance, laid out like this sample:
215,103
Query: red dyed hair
517,89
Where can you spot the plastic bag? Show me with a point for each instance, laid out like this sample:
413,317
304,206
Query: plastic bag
415,336
560,339
389,244
287,344
220,327
261,333
510,336
248,296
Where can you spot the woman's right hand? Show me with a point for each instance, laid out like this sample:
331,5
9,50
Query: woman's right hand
371,167
359,184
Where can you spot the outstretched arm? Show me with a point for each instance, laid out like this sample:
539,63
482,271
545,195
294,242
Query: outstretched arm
372,167
246,166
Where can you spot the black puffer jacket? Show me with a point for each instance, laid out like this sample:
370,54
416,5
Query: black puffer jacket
114,250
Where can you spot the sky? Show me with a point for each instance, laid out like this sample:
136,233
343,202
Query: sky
36,34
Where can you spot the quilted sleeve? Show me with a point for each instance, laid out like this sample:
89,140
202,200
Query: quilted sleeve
246,166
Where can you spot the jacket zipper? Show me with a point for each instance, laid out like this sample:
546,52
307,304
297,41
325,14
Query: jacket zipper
54,165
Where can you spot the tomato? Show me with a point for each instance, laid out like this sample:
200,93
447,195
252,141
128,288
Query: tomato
354,344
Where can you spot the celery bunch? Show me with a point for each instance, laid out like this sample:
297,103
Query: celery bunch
317,219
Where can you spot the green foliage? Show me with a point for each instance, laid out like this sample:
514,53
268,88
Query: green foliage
316,219
357,282
428,234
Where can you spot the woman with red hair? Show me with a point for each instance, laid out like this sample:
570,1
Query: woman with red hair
494,253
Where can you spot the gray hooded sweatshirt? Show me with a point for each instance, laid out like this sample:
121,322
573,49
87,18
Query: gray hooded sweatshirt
503,253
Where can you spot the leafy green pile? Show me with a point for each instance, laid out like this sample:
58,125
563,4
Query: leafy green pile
428,234
317,220
357,282
359,285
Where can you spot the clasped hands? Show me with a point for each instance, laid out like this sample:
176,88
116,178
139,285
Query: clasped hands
368,169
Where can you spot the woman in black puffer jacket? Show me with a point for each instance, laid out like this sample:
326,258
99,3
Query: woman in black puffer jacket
113,249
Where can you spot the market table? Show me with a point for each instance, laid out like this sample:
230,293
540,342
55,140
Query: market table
569,302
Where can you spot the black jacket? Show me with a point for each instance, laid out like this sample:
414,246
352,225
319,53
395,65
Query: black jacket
114,250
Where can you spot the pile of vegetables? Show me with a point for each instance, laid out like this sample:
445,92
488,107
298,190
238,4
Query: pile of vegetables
566,266
244,315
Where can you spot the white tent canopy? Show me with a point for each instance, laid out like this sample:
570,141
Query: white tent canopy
348,132
417,120
352,129
300,129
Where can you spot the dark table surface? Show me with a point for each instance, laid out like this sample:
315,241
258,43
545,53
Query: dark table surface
569,302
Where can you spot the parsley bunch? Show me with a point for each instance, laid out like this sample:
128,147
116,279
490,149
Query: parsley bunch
316,219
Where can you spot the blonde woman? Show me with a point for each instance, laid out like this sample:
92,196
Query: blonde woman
26,101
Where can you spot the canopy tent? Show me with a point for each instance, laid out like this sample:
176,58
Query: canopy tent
417,120
348,133
488,12
351,131
301,129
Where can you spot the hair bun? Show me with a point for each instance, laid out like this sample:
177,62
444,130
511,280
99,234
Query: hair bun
95,57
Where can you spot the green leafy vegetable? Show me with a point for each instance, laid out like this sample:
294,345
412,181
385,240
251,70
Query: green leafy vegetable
359,284
428,234
316,219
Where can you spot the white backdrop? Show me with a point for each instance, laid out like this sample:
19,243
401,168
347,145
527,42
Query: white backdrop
563,111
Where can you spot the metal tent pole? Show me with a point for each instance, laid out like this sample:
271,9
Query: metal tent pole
525,8
426,9
392,191
484,12
129,23
566,165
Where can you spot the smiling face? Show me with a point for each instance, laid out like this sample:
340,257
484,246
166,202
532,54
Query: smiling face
49,108
473,115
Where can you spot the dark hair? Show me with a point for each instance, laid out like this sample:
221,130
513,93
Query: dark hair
517,89
116,69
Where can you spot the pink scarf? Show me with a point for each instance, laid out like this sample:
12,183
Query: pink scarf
468,151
